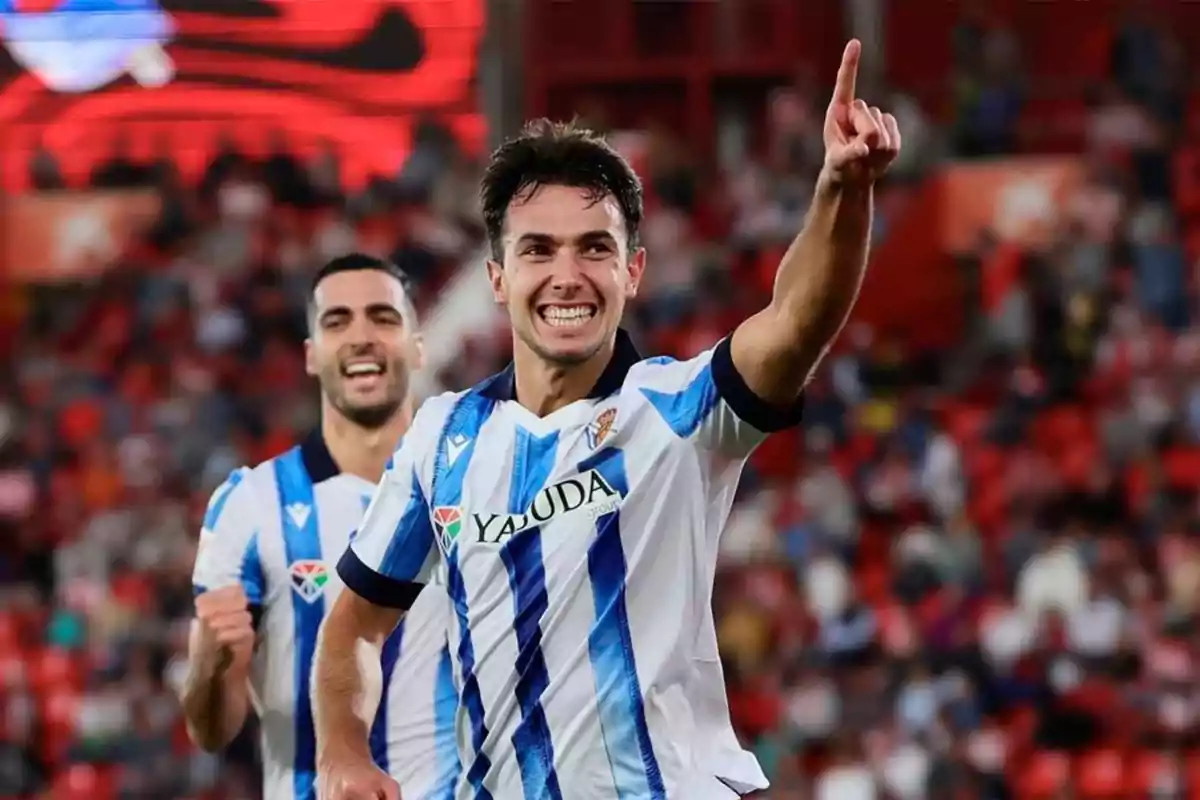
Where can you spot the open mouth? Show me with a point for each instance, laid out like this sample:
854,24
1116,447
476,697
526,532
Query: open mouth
567,316
355,370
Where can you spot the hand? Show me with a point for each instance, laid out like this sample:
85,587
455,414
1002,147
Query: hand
226,627
861,142
356,781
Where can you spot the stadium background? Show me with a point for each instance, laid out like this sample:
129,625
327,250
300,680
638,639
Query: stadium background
973,574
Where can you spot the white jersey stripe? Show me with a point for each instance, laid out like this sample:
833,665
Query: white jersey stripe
462,426
302,541
635,769
533,461
389,655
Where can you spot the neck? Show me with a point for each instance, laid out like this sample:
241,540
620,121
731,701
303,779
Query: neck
543,387
357,450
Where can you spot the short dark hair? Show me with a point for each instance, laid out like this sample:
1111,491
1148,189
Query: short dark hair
356,262
554,153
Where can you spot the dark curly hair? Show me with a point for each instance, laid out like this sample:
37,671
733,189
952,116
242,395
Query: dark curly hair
558,154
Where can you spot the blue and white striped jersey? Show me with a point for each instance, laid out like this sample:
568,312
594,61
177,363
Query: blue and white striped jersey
278,529
580,551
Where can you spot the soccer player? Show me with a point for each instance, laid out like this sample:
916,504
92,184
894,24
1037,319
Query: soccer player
264,573
575,499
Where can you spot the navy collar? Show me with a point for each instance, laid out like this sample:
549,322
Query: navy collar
318,461
503,385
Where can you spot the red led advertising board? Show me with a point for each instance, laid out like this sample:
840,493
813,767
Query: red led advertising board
77,74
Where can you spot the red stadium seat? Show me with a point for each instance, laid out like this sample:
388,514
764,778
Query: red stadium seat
54,668
12,633
1144,770
1045,774
84,782
1100,775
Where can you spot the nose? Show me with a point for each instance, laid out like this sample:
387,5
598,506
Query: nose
361,331
566,279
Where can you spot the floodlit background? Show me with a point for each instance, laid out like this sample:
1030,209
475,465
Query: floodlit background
974,573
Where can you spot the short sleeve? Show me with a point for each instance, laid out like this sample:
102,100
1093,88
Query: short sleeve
394,553
228,550
706,400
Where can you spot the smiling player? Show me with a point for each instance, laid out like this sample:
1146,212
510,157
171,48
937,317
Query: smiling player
582,627
264,571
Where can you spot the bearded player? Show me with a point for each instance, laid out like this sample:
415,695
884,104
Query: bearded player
264,575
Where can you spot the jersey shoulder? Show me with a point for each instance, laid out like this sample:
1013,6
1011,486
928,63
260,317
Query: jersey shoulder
228,549
429,423
667,374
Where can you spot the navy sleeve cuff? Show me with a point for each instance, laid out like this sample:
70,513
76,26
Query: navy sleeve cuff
373,587
741,399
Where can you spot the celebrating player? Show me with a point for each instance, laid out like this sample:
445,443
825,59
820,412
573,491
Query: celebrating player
263,575
575,500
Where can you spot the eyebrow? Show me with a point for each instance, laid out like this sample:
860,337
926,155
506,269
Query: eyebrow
545,238
373,308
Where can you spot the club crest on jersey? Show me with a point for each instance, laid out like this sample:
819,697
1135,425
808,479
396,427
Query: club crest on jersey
601,427
447,523
309,577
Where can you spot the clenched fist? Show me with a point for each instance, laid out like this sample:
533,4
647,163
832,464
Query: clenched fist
861,141
225,627
354,781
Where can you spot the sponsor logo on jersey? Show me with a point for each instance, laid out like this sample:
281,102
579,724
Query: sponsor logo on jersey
601,427
298,513
588,492
447,523
455,446
309,577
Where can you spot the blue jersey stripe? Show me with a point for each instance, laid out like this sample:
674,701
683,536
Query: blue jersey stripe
635,769
254,582
390,654
445,708
220,497
405,555
463,425
685,410
533,462
301,543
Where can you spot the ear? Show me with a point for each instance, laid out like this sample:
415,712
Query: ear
496,278
310,358
418,352
637,268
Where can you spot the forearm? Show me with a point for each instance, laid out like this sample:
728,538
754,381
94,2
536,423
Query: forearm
215,703
820,275
815,289
347,683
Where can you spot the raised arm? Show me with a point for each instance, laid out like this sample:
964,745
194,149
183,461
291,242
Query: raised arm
776,350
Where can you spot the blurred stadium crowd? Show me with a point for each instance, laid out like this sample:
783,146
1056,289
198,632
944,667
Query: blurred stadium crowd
973,574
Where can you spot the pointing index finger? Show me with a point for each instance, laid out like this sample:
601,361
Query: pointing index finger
843,90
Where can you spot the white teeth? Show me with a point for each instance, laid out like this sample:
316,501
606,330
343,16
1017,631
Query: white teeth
363,369
568,316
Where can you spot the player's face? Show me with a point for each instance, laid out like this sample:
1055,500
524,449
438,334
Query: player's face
567,272
361,348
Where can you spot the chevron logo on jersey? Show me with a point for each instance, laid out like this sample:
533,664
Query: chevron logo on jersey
448,522
309,577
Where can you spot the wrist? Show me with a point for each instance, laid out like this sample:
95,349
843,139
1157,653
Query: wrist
208,665
342,755
834,182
